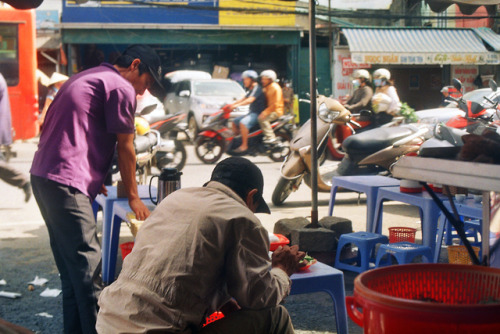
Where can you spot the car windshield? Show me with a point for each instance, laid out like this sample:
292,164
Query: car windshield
217,88
479,94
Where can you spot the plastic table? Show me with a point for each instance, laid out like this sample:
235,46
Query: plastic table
368,184
111,227
323,278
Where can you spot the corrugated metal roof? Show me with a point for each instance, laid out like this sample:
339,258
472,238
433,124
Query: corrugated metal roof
489,36
413,40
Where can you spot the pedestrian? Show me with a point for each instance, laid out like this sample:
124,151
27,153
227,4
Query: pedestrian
363,93
445,93
257,101
275,104
211,255
8,173
54,84
92,114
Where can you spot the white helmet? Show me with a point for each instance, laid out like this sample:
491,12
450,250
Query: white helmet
382,73
362,74
269,74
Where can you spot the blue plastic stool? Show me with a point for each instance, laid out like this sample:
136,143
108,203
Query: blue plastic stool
366,242
403,251
320,277
368,184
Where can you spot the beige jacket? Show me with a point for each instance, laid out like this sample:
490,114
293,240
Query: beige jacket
198,248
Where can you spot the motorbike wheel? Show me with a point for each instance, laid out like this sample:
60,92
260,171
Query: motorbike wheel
209,150
179,158
283,189
280,155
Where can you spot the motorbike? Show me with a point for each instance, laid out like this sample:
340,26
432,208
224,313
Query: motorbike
216,138
297,164
171,152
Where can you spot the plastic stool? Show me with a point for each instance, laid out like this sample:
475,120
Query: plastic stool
404,252
366,242
321,277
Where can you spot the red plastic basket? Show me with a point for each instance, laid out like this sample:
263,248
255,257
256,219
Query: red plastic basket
398,234
213,317
427,298
126,248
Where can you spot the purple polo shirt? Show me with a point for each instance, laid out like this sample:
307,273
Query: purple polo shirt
79,135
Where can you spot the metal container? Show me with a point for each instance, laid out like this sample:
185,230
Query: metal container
169,181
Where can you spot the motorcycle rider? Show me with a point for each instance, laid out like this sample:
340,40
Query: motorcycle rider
385,102
275,104
257,101
362,96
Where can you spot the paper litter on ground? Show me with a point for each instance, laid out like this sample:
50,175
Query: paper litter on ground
3,282
50,292
44,314
7,294
38,281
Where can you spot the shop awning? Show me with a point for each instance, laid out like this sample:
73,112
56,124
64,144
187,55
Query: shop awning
417,46
489,37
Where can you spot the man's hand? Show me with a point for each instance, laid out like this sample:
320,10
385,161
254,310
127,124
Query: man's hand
104,190
140,209
230,307
287,258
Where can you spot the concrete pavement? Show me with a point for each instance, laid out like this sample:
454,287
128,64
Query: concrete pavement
25,252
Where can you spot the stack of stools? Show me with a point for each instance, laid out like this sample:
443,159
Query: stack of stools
366,243
402,246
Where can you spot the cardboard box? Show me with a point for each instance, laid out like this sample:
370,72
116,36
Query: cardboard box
220,72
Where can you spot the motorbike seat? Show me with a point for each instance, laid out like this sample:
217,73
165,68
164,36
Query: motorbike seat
145,142
371,141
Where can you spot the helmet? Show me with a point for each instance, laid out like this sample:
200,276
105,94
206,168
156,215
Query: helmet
250,74
382,73
141,125
362,74
269,74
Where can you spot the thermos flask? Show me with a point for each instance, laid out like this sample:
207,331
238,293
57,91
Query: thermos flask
169,181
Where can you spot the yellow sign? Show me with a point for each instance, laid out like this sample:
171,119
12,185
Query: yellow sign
256,13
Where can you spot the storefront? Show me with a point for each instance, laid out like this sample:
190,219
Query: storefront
421,61
200,34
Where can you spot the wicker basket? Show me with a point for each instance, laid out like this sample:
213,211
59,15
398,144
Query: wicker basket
398,234
459,255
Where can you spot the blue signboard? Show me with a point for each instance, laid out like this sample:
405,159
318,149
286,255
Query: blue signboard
142,11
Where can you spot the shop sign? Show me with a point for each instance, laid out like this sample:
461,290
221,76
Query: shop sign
259,13
348,63
421,59
466,74
342,80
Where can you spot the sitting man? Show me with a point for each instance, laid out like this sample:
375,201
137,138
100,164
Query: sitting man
191,260
275,104
257,101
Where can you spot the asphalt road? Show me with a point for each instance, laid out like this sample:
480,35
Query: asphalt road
25,251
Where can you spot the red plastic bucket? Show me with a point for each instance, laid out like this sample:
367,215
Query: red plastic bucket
126,248
427,298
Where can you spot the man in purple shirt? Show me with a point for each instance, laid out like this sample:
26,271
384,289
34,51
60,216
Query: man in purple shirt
91,115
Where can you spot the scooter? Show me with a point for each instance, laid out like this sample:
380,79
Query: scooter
297,165
216,138
171,152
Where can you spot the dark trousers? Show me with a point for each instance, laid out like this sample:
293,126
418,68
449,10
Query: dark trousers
272,320
11,175
72,230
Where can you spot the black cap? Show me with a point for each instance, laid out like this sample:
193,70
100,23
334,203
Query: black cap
240,173
150,58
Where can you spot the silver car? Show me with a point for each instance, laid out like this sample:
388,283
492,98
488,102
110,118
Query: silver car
200,98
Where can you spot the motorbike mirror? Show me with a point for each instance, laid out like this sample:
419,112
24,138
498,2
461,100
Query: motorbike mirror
493,85
365,113
148,109
457,84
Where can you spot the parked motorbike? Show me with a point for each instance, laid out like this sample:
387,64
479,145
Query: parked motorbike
216,138
297,164
171,152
